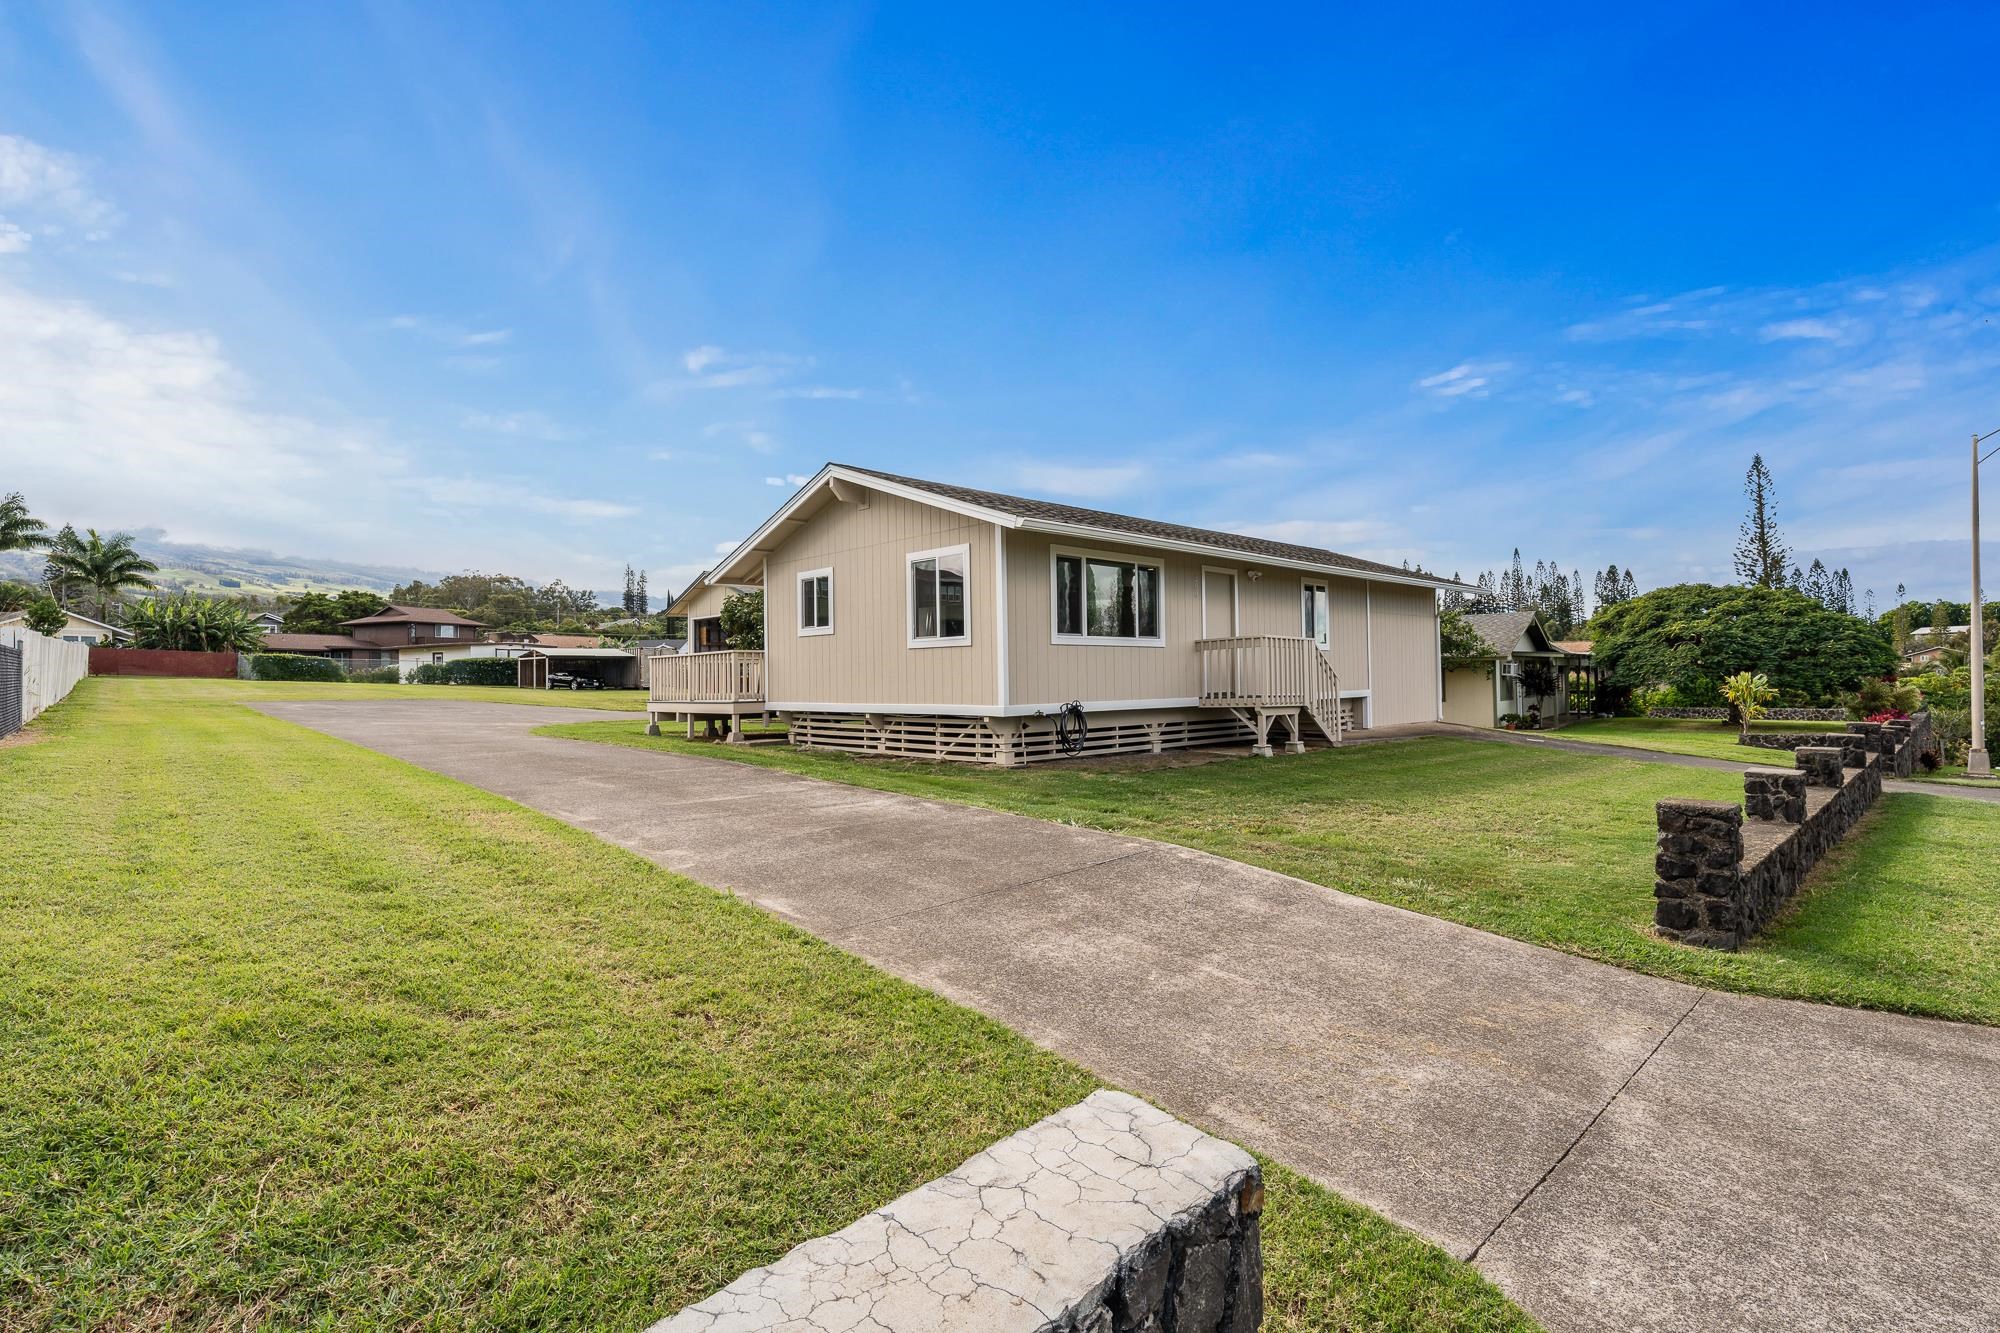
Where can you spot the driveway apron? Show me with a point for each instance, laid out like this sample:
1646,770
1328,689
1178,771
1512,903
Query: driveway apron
1615,1150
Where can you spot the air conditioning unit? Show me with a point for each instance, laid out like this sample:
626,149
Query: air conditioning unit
1510,669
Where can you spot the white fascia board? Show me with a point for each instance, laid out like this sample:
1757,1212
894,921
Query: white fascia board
1245,559
822,480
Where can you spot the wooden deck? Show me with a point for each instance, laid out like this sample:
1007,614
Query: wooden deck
692,686
1264,678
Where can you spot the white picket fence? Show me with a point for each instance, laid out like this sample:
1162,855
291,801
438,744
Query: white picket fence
50,668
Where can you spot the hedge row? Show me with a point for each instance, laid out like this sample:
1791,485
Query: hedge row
467,671
294,666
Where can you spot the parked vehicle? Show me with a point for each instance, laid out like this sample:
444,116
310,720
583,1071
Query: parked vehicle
569,680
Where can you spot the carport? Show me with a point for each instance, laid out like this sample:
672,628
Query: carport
612,668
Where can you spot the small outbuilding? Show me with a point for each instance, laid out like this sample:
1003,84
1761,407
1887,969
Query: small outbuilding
576,669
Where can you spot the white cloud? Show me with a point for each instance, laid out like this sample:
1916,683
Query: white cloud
114,424
1328,534
51,188
820,391
1819,329
530,425
13,239
712,367
1087,482
448,333
747,433
1468,377
791,479
724,548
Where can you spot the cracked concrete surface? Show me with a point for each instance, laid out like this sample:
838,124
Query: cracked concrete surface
1763,1165
1029,1233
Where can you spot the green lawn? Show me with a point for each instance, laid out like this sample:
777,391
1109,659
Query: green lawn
1711,740
1539,844
300,1036
272,691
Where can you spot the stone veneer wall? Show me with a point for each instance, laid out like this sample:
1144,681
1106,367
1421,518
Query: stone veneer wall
1108,1217
1787,740
1722,871
1774,714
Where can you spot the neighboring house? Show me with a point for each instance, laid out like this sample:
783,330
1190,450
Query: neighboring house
352,653
77,629
271,622
421,634
1927,644
915,617
701,602
1526,672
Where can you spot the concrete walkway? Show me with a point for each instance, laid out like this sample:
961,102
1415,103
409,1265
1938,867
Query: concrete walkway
1616,1151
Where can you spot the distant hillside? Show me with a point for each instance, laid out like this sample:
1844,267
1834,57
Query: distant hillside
227,570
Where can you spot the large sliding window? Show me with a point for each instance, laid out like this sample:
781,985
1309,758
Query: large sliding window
816,601
1316,614
938,617
1107,598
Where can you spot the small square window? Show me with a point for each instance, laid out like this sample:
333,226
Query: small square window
816,602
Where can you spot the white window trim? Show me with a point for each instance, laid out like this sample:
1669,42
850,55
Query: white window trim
1328,587
1096,640
963,550
805,630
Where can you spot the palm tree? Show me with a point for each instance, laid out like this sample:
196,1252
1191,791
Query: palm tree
104,567
20,530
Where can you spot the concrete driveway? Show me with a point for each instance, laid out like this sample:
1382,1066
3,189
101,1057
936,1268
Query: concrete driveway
1614,1150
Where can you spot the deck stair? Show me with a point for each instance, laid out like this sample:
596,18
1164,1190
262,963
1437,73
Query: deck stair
1265,678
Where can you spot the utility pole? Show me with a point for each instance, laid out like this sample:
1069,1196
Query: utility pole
1978,764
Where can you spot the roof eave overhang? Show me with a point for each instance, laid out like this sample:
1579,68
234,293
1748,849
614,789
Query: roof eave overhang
748,557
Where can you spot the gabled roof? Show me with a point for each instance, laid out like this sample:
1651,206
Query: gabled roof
318,643
427,615
1501,630
9,617
1015,511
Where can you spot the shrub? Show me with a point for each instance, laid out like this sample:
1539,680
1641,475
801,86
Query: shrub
45,617
294,666
481,671
467,671
1898,698
387,675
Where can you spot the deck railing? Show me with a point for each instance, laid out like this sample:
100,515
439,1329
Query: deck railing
733,677
1270,671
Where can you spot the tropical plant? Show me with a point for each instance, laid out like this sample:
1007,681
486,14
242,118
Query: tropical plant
193,624
45,617
1876,697
104,567
1746,693
20,530
18,596
743,619
1459,643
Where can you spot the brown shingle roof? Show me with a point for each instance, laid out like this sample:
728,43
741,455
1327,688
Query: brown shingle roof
317,643
401,615
1050,511
1580,647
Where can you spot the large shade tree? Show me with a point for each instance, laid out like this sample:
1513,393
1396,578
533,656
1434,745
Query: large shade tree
102,567
1694,636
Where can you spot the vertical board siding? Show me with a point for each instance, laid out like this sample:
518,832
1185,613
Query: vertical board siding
867,660
1044,674
1406,664
1468,696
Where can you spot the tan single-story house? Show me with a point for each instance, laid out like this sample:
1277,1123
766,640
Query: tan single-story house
922,618
77,629
1527,672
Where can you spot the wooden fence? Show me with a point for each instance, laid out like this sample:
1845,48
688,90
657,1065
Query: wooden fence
106,661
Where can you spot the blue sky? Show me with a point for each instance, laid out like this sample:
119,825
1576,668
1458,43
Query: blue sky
547,289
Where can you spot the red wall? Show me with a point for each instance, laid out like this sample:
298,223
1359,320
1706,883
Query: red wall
160,662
